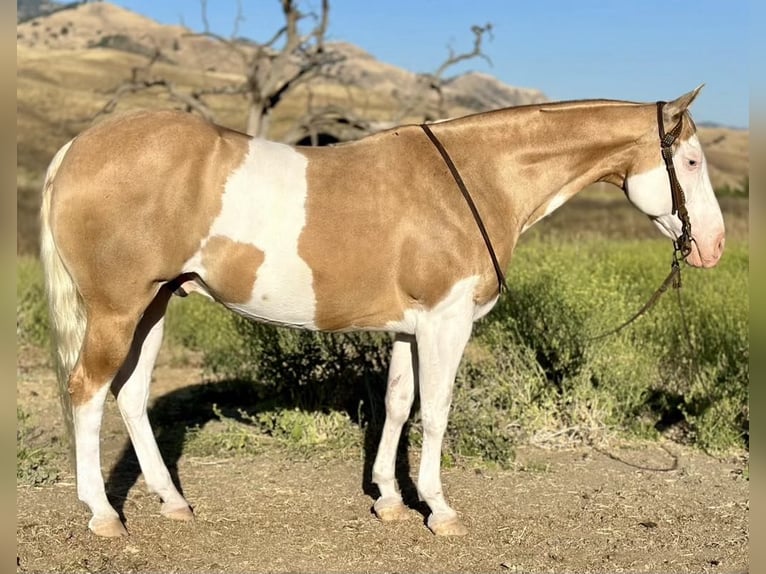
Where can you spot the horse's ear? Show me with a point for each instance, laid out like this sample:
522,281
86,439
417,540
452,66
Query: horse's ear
673,110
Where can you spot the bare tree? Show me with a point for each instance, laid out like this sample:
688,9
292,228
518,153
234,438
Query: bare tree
431,84
142,78
294,56
271,69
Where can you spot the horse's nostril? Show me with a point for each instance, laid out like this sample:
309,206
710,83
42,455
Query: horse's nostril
719,246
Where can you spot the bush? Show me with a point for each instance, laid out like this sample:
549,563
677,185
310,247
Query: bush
533,371
644,378
32,321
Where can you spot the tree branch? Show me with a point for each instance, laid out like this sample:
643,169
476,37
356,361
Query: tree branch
433,82
192,101
476,52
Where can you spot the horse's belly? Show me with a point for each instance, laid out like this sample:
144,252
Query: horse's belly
280,295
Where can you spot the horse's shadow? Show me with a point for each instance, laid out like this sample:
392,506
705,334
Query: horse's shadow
176,413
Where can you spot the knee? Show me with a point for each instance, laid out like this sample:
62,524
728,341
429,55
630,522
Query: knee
433,424
398,408
132,405
400,392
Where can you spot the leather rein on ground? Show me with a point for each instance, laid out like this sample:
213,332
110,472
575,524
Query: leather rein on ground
681,246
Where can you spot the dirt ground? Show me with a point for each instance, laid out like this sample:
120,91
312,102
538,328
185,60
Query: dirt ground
658,507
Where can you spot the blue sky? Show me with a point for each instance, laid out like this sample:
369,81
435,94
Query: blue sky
641,50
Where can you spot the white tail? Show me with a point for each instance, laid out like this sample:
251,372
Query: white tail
66,310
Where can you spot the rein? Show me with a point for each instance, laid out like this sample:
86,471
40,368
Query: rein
501,284
681,246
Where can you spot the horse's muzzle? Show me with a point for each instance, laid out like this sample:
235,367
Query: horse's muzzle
706,254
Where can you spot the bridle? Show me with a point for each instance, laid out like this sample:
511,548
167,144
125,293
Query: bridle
682,246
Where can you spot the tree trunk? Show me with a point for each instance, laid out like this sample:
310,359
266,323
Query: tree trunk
258,120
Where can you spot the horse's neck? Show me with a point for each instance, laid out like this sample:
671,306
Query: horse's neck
535,158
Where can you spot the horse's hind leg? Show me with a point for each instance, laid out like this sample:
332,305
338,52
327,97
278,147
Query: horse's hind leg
400,393
131,386
108,337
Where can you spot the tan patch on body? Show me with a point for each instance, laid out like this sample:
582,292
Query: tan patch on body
231,268
132,201
386,230
135,196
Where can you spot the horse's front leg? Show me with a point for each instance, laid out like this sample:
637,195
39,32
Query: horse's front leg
441,339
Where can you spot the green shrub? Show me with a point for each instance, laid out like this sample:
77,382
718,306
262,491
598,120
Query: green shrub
554,308
704,366
32,322
533,371
309,369
197,324
34,462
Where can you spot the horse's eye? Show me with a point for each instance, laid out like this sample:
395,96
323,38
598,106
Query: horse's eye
692,162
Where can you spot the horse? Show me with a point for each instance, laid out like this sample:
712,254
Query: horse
407,231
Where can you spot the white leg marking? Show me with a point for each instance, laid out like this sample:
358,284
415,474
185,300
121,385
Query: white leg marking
90,481
441,337
400,393
132,400
264,205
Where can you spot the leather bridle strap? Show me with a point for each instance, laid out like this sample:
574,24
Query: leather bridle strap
673,278
683,244
501,284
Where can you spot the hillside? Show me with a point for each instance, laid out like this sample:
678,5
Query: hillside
70,60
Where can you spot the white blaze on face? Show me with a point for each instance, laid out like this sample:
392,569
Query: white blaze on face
264,205
650,192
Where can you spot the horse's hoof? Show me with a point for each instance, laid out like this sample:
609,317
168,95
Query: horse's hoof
390,509
182,513
447,526
107,527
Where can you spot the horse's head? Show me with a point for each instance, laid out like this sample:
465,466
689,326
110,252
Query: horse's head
648,185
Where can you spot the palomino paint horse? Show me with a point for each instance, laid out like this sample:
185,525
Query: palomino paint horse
370,235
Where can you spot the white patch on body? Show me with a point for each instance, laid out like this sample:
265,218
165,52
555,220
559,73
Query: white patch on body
264,205
462,290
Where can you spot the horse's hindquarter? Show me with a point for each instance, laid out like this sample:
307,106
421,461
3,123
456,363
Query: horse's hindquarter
135,196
